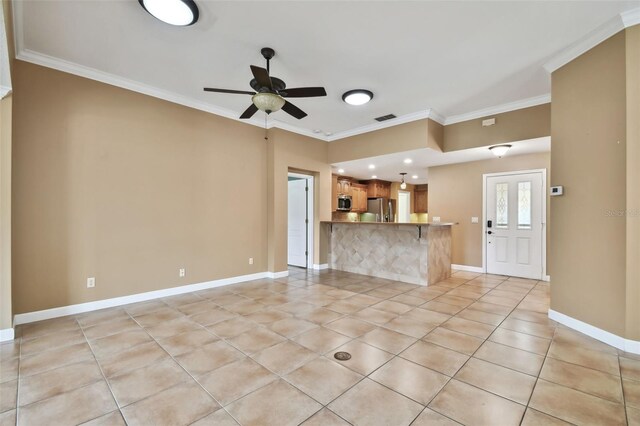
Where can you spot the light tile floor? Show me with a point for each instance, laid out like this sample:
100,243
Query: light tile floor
474,349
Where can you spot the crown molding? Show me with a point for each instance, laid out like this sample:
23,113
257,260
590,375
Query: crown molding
498,109
593,38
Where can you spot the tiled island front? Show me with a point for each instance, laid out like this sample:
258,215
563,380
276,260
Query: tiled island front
416,253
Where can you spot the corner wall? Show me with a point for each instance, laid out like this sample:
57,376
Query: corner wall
593,141
127,188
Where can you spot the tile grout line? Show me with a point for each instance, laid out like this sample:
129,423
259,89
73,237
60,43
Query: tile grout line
95,358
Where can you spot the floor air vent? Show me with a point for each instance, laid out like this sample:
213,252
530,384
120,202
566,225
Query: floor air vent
385,117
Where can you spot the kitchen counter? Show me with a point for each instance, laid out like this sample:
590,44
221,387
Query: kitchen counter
392,250
390,223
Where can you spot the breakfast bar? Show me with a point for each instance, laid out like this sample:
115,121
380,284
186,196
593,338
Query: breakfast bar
416,253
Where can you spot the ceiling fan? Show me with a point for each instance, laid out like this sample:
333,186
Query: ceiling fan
270,92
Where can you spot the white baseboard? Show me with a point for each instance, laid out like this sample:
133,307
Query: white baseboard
614,340
280,274
546,278
6,334
125,300
320,267
466,268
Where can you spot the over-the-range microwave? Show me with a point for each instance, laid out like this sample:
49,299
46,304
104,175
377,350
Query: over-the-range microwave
344,203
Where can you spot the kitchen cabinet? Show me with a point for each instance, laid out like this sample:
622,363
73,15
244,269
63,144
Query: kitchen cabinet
378,189
421,199
344,187
334,193
358,198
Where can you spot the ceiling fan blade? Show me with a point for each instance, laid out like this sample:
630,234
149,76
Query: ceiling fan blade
303,92
248,113
235,92
262,76
293,110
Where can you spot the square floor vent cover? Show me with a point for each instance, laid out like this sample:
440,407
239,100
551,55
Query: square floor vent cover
385,117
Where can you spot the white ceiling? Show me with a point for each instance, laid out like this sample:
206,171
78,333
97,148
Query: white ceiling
449,58
388,167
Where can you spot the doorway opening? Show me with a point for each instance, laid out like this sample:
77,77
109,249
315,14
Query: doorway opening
514,224
300,220
404,206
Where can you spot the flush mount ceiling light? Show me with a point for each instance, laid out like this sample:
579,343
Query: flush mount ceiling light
403,184
374,177
372,166
357,97
415,176
175,12
340,171
499,150
408,161
268,102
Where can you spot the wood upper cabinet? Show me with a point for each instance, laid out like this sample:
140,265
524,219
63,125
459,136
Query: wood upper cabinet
378,189
358,198
344,187
334,193
421,198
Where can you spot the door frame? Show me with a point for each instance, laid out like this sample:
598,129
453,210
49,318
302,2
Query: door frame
544,277
310,207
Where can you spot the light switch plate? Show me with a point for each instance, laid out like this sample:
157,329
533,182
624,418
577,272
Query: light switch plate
557,190
475,219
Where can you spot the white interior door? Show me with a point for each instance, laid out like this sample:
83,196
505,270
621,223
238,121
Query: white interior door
297,232
513,225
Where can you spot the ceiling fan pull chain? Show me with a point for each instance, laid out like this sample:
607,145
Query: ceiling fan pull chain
266,134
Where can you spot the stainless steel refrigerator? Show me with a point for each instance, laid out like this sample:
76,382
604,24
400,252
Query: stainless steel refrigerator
380,208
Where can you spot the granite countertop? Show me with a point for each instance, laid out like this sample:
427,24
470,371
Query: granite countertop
389,223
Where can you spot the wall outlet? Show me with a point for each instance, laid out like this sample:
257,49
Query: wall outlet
251,261
436,218
91,282
475,219
182,272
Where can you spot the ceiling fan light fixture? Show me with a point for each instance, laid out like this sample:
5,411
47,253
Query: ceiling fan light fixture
357,97
174,12
268,102
499,150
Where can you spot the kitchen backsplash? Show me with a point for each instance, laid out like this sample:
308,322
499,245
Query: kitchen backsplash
370,217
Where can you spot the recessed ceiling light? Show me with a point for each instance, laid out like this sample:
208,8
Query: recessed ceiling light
374,177
415,176
328,133
357,97
408,161
174,12
340,170
371,166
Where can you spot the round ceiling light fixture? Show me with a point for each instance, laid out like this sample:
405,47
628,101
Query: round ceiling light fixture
267,102
174,12
499,150
357,97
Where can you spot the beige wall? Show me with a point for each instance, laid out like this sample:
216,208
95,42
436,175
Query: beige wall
127,188
521,124
291,152
588,157
404,137
455,194
5,213
633,177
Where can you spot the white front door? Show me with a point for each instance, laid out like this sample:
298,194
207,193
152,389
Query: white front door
297,232
513,224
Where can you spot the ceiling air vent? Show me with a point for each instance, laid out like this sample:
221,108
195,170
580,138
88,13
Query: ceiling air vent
385,117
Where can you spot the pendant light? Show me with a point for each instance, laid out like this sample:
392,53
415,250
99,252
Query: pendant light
403,184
